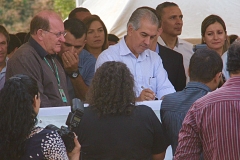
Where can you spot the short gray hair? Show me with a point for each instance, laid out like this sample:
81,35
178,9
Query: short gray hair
139,14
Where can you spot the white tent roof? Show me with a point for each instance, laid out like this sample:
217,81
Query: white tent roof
115,13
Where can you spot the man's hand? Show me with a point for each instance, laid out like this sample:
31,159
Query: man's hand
70,61
146,95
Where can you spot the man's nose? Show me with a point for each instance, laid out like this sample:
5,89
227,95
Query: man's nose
73,49
147,40
179,20
62,39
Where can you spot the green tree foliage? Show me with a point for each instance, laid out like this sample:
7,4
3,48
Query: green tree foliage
16,15
64,7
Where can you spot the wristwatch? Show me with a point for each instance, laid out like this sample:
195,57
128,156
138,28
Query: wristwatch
74,74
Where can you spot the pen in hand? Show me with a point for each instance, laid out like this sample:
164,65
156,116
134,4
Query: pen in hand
155,95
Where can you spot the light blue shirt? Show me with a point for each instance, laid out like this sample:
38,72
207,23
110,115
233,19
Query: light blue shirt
224,70
86,69
147,69
2,74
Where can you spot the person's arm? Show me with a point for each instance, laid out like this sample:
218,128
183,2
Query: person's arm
70,64
75,154
159,139
159,156
189,143
28,64
53,147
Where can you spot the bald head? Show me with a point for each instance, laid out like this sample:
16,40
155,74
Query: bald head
47,30
41,21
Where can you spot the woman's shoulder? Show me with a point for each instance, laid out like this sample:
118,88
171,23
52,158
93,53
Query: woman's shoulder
144,110
41,132
48,141
143,107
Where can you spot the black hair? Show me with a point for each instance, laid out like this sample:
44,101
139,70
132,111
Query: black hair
5,33
13,43
21,36
72,14
232,38
17,116
233,60
204,65
112,90
113,37
76,27
160,7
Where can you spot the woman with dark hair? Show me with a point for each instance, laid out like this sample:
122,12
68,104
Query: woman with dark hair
112,127
97,36
20,138
214,34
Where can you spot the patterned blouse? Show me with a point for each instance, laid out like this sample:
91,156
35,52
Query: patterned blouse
45,144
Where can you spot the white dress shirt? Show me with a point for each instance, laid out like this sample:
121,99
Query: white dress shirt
147,69
183,47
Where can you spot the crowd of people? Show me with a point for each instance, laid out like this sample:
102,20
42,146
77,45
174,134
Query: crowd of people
58,61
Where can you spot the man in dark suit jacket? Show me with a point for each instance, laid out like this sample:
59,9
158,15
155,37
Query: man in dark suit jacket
173,64
172,60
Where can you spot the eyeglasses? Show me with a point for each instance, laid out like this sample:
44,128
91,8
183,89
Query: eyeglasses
58,34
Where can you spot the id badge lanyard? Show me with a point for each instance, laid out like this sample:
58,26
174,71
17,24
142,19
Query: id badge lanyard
61,91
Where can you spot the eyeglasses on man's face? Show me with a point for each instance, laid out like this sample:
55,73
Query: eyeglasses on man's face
58,34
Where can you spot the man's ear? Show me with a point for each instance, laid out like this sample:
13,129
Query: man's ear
40,34
160,30
130,29
219,75
188,72
218,79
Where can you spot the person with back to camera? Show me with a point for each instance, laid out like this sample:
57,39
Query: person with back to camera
211,125
20,138
205,74
112,127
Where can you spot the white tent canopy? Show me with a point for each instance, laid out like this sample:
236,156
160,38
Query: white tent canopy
115,13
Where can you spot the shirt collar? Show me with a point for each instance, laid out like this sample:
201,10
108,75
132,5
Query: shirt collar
179,42
40,51
197,85
157,48
233,81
